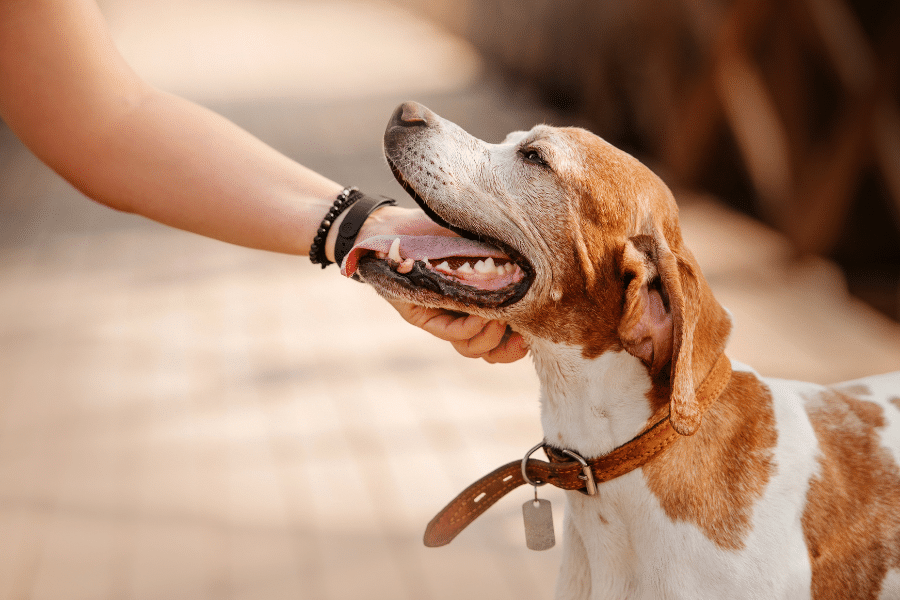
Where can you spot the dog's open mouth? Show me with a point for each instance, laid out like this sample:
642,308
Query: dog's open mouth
470,269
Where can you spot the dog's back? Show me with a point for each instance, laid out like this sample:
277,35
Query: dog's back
852,516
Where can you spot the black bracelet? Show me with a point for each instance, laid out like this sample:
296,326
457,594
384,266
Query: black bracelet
317,251
353,222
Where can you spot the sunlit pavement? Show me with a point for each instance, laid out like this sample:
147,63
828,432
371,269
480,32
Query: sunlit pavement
181,418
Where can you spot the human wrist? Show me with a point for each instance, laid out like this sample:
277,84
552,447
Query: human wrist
342,225
331,239
318,251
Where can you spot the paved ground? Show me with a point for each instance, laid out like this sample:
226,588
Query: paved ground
185,419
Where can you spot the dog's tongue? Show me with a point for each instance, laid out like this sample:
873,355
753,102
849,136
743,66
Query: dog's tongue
432,247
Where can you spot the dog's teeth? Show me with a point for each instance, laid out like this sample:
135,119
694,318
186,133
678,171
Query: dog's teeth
427,264
501,269
381,255
406,266
485,266
394,252
466,268
444,266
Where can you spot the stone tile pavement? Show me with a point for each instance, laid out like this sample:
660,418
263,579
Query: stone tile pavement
180,418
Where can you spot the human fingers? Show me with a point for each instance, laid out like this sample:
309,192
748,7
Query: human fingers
443,324
391,220
510,349
471,336
483,342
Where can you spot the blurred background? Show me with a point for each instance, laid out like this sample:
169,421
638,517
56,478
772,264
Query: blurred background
180,418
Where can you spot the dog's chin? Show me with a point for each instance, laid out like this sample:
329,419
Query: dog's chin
424,285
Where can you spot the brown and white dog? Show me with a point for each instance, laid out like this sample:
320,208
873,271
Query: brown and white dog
780,489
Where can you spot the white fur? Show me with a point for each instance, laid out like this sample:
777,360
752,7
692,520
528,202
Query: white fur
890,587
621,544
589,405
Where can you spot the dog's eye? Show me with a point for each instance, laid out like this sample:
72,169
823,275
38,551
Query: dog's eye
533,156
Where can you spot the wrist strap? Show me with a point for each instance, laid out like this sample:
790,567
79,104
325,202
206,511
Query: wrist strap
353,222
317,251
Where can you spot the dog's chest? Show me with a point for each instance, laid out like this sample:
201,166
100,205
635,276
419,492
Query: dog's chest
628,547
631,549
636,540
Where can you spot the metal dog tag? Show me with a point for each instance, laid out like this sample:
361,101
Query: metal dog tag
538,524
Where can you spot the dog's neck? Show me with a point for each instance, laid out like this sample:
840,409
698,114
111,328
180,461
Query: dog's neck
590,406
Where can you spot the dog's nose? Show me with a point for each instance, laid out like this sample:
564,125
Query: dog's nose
411,114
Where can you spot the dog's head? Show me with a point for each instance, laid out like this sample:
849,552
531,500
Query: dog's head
583,241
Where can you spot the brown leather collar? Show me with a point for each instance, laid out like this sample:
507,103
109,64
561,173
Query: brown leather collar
564,473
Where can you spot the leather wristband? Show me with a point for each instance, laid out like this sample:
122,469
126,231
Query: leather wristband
317,250
353,222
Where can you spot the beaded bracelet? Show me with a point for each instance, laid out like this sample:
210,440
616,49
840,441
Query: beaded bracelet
317,251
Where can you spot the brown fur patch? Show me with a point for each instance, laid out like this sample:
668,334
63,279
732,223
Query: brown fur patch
852,516
895,402
588,313
714,477
854,389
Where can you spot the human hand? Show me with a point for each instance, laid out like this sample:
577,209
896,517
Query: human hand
396,220
471,336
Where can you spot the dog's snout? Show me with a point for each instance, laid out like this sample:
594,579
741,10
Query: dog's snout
411,114
408,121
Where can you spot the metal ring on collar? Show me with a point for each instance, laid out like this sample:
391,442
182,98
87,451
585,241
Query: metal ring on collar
587,474
525,463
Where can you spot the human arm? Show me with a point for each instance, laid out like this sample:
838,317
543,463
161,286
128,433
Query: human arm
67,93
72,99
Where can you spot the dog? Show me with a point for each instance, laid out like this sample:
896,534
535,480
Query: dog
762,488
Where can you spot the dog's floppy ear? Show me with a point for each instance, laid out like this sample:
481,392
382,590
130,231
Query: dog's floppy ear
666,298
646,328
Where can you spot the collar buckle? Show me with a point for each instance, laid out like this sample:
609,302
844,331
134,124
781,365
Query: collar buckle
588,476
